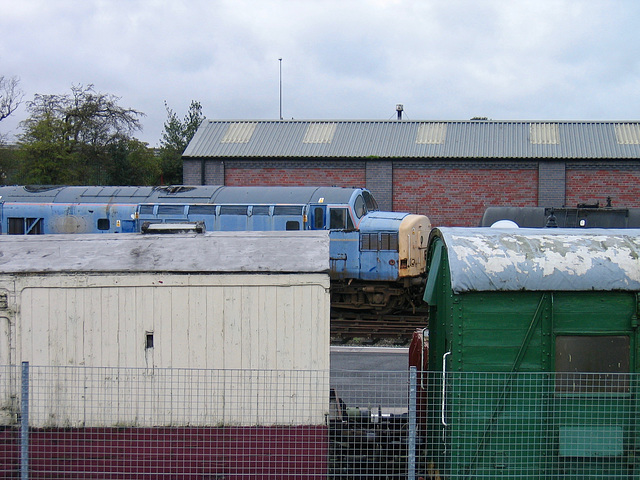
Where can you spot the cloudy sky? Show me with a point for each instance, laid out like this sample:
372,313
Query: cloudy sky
341,59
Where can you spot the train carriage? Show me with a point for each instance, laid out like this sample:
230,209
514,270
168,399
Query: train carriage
533,353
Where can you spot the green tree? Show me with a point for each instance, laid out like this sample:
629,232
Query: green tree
69,139
132,163
176,136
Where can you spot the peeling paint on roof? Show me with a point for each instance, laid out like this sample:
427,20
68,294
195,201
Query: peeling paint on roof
487,259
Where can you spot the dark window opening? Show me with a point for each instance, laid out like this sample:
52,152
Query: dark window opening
318,218
371,203
104,224
359,206
170,209
202,209
149,340
592,363
293,225
339,219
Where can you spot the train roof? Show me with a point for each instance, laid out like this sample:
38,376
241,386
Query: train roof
178,194
490,259
211,252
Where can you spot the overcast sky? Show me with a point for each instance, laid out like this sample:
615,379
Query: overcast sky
341,59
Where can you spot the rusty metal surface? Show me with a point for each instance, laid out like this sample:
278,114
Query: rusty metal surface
485,259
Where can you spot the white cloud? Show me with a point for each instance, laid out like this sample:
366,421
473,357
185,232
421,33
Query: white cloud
442,60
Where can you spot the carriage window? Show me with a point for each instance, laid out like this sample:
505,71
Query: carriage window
146,209
339,219
293,225
318,216
602,358
202,209
103,224
170,209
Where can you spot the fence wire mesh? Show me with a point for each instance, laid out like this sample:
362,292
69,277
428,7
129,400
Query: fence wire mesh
116,423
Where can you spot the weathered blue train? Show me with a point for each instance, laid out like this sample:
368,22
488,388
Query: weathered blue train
378,259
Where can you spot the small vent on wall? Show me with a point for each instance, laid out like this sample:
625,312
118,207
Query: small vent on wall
628,133
431,133
320,133
239,132
544,134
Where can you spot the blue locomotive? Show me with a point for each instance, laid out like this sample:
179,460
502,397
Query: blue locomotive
378,259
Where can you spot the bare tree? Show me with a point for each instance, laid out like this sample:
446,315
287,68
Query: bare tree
10,96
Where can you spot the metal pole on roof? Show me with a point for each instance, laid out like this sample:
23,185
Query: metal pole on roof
280,60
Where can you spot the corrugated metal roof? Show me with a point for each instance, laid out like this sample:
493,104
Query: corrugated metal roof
415,139
490,259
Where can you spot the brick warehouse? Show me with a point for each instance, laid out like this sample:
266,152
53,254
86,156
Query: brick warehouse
449,170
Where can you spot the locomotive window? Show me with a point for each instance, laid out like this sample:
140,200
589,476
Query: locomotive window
318,218
170,209
371,203
233,210
202,209
359,206
103,224
339,219
287,210
592,363
261,210
293,225
146,209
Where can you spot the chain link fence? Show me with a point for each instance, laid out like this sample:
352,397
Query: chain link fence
116,423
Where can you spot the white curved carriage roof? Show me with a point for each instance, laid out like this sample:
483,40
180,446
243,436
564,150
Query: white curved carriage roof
211,252
486,259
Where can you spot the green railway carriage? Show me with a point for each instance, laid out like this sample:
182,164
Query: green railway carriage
534,353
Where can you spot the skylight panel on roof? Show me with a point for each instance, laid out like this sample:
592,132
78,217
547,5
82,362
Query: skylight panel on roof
431,133
320,132
239,132
628,133
544,134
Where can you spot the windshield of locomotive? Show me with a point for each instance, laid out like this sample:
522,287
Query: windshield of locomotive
370,202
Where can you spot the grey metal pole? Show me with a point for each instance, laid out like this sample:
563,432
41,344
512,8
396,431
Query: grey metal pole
411,444
24,423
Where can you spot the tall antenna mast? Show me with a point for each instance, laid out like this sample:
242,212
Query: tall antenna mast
280,60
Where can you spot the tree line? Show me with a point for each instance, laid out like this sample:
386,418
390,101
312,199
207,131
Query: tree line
86,138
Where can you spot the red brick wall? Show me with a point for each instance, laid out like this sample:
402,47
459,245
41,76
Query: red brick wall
322,177
590,186
458,197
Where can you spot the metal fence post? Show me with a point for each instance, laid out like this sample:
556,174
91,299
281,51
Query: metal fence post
411,454
24,423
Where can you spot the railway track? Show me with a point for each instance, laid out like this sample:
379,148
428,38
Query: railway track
371,328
